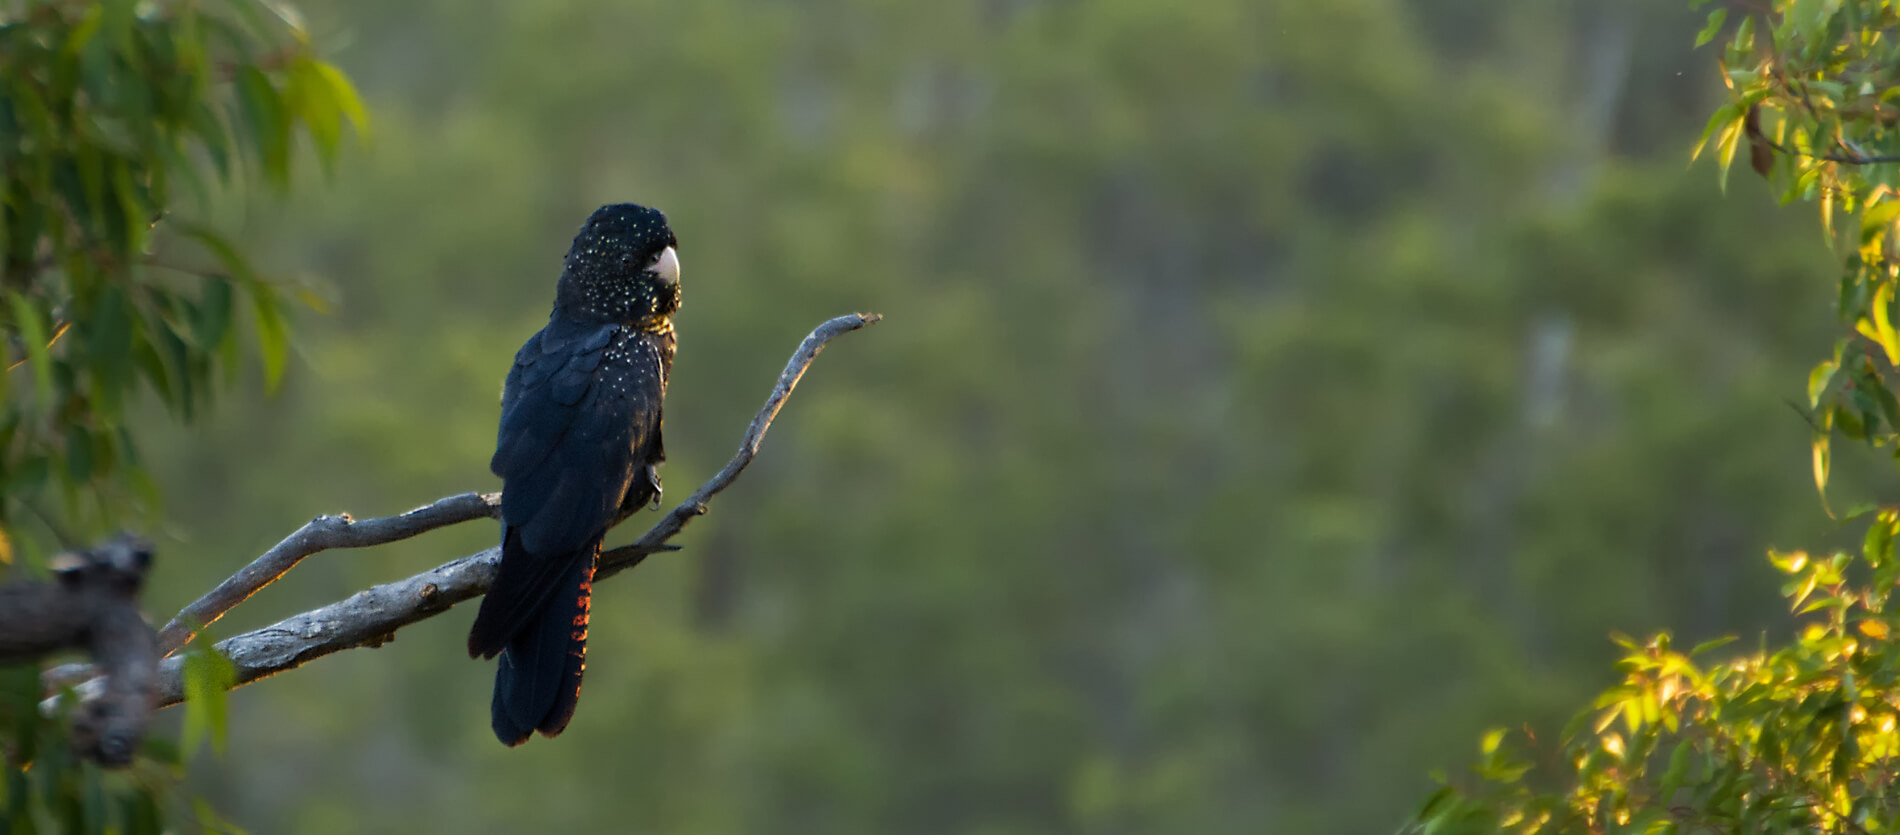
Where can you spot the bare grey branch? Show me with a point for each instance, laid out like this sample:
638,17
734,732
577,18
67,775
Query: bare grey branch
372,616
319,534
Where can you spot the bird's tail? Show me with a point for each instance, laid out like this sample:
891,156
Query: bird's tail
538,682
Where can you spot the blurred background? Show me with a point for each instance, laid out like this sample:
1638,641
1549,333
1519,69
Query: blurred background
1272,395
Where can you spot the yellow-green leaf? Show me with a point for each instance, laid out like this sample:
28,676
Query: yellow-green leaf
1723,114
343,94
273,338
1881,310
1875,221
1708,33
208,676
1820,457
1492,739
1827,215
1725,146
1790,562
309,98
1818,379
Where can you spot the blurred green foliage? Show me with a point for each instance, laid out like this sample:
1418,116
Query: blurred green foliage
121,125
61,793
1273,394
111,115
1799,737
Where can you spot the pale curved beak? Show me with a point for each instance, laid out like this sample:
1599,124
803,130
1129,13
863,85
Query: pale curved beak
666,265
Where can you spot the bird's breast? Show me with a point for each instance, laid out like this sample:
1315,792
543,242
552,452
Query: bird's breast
636,361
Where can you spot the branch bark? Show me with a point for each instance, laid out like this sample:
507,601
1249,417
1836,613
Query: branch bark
93,606
372,616
320,534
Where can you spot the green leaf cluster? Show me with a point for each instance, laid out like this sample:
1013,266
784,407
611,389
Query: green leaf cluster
121,125
1267,407
1799,737
47,788
117,119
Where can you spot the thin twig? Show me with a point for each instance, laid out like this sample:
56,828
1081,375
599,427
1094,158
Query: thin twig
372,616
1855,159
627,556
59,330
158,264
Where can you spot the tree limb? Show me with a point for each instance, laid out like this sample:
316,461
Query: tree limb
372,616
319,534
93,606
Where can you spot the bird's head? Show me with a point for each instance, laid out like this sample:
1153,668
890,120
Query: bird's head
623,267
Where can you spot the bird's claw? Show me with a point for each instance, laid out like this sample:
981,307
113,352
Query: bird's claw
653,481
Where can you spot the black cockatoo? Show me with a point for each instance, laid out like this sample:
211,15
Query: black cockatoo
579,443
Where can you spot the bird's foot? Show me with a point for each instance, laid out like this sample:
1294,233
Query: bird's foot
653,481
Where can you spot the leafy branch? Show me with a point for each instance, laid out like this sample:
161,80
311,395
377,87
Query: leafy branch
1798,737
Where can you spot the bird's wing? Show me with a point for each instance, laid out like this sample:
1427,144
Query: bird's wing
579,410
